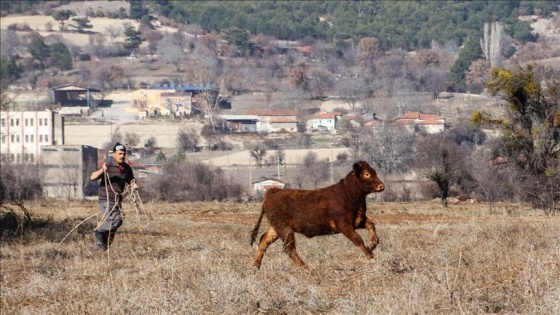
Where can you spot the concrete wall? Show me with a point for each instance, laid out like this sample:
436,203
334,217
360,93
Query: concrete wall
65,171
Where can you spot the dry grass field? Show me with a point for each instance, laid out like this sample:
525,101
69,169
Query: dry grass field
195,258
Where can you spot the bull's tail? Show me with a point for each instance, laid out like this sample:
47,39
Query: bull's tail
256,228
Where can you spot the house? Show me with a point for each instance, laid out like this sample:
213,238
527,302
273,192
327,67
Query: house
326,121
169,99
274,120
305,50
23,133
416,121
267,183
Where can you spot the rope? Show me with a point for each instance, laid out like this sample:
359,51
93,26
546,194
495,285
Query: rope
131,189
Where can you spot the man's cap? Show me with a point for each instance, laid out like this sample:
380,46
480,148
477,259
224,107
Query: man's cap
119,147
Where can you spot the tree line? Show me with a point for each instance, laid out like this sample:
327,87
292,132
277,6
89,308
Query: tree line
408,25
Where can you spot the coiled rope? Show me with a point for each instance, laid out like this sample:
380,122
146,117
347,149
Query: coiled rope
131,189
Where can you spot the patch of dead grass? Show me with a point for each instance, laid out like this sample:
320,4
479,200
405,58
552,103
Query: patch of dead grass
194,258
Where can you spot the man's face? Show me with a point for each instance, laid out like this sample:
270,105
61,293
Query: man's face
119,156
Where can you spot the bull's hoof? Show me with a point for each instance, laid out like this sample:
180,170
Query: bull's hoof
256,265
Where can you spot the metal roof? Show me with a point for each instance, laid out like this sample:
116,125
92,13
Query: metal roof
182,87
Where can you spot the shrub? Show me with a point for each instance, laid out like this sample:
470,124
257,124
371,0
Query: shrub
191,182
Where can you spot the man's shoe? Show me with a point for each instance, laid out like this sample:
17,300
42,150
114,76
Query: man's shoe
111,237
100,241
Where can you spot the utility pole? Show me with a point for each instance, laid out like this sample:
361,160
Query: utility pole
278,166
332,173
250,175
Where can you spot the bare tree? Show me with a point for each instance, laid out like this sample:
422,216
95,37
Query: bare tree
171,51
352,91
69,178
292,99
209,66
312,171
492,43
298,77
432,80
20,182
207,102
131,139
390,148
321,82
187,139
368,50
439,160
114,31
258,152
11,43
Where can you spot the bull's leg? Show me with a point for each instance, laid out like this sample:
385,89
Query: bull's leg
372,235
290,248
269,237
352,235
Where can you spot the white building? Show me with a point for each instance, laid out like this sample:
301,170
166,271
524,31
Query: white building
267,183
325,121
22,134
275,120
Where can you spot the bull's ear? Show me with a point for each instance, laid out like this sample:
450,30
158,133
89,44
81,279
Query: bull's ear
357,169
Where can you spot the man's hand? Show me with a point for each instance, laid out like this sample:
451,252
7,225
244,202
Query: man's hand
97,174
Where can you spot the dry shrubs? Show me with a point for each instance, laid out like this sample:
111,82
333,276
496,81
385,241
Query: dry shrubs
191,182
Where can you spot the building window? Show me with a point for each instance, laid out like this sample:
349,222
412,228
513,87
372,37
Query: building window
17,138
17,121
32,137
40,122
13,138
11,122
3,122
12,157
46,122
40,138
26,138
26,122
3,139
46,138
31,121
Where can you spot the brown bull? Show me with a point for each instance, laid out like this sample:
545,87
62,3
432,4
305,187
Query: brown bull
340,208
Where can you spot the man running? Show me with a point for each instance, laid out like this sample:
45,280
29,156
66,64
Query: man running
114,175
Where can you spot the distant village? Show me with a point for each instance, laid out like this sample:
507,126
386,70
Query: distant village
38,136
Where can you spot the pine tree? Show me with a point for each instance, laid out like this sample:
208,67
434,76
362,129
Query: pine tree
61,16
82,23
457,78
137,10
133,39
61,57
9,70
38,49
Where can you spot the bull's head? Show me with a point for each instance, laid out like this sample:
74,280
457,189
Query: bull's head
368,177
